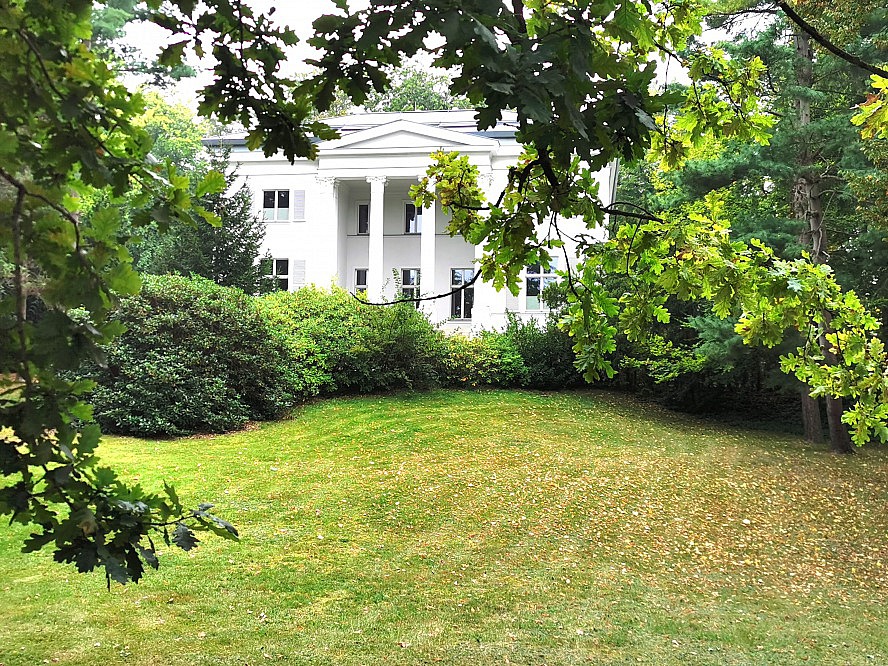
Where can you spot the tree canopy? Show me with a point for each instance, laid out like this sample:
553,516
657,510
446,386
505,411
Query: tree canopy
412,88
794,191
580,74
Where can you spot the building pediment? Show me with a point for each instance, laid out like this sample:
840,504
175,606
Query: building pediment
403,135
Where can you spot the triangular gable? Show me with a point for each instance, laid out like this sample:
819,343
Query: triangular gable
406,134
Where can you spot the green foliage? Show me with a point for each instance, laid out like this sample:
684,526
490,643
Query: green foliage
577,74
722,100
196,357
175,132
66,133
524,354
227,254
226,250
546,351
696,362
489,359
338,344
664,361
688,254
109,23
759,186
704,367
872,118
415,89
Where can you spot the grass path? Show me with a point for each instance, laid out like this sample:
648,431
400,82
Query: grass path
484,528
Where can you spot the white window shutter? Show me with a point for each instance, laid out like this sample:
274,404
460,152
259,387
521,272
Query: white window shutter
297,273
298,205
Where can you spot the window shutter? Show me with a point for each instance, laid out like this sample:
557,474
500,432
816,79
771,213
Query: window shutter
297,273
298,205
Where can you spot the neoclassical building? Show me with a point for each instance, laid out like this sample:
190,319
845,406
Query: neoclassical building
346,217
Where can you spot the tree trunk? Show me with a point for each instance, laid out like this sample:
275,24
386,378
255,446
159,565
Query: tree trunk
807,207
811,417
839,437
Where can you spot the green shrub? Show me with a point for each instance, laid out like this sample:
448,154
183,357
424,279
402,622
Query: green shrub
338,344
489,359
546,352
196,357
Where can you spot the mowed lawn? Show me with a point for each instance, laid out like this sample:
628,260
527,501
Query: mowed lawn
491,527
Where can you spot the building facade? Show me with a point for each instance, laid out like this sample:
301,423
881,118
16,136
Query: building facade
346,217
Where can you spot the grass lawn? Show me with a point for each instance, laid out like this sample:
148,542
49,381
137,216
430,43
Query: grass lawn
495,527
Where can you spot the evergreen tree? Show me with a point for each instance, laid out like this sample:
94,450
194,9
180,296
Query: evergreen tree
795,191
228,254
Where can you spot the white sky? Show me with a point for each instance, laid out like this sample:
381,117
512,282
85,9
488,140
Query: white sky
297,14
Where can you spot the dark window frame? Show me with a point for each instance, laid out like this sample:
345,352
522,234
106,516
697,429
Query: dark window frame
412,219
359,221
463,301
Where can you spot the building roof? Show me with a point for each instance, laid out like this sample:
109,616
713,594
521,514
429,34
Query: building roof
459,120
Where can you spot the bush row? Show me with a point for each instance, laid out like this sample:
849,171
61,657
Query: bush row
198,357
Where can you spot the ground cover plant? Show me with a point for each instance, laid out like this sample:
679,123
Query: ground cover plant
484,527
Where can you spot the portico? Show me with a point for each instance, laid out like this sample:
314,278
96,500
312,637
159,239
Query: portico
383,235
346,218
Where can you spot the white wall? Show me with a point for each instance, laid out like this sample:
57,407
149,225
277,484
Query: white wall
293,239
327,239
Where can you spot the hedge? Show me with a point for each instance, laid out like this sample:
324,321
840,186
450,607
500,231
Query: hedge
198,357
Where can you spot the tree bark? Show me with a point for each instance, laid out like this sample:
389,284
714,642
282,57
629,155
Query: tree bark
811,417
839,437
807,206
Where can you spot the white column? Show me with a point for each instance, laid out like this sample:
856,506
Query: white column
485,295
427,267
375,277
326,262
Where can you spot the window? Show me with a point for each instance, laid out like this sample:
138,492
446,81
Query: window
276,205
461,301
410,284
278,272
538,278
412,219
363,218
360,279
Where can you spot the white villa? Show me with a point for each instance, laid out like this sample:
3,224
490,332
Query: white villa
346,218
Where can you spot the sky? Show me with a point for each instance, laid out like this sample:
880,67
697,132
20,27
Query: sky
297,14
